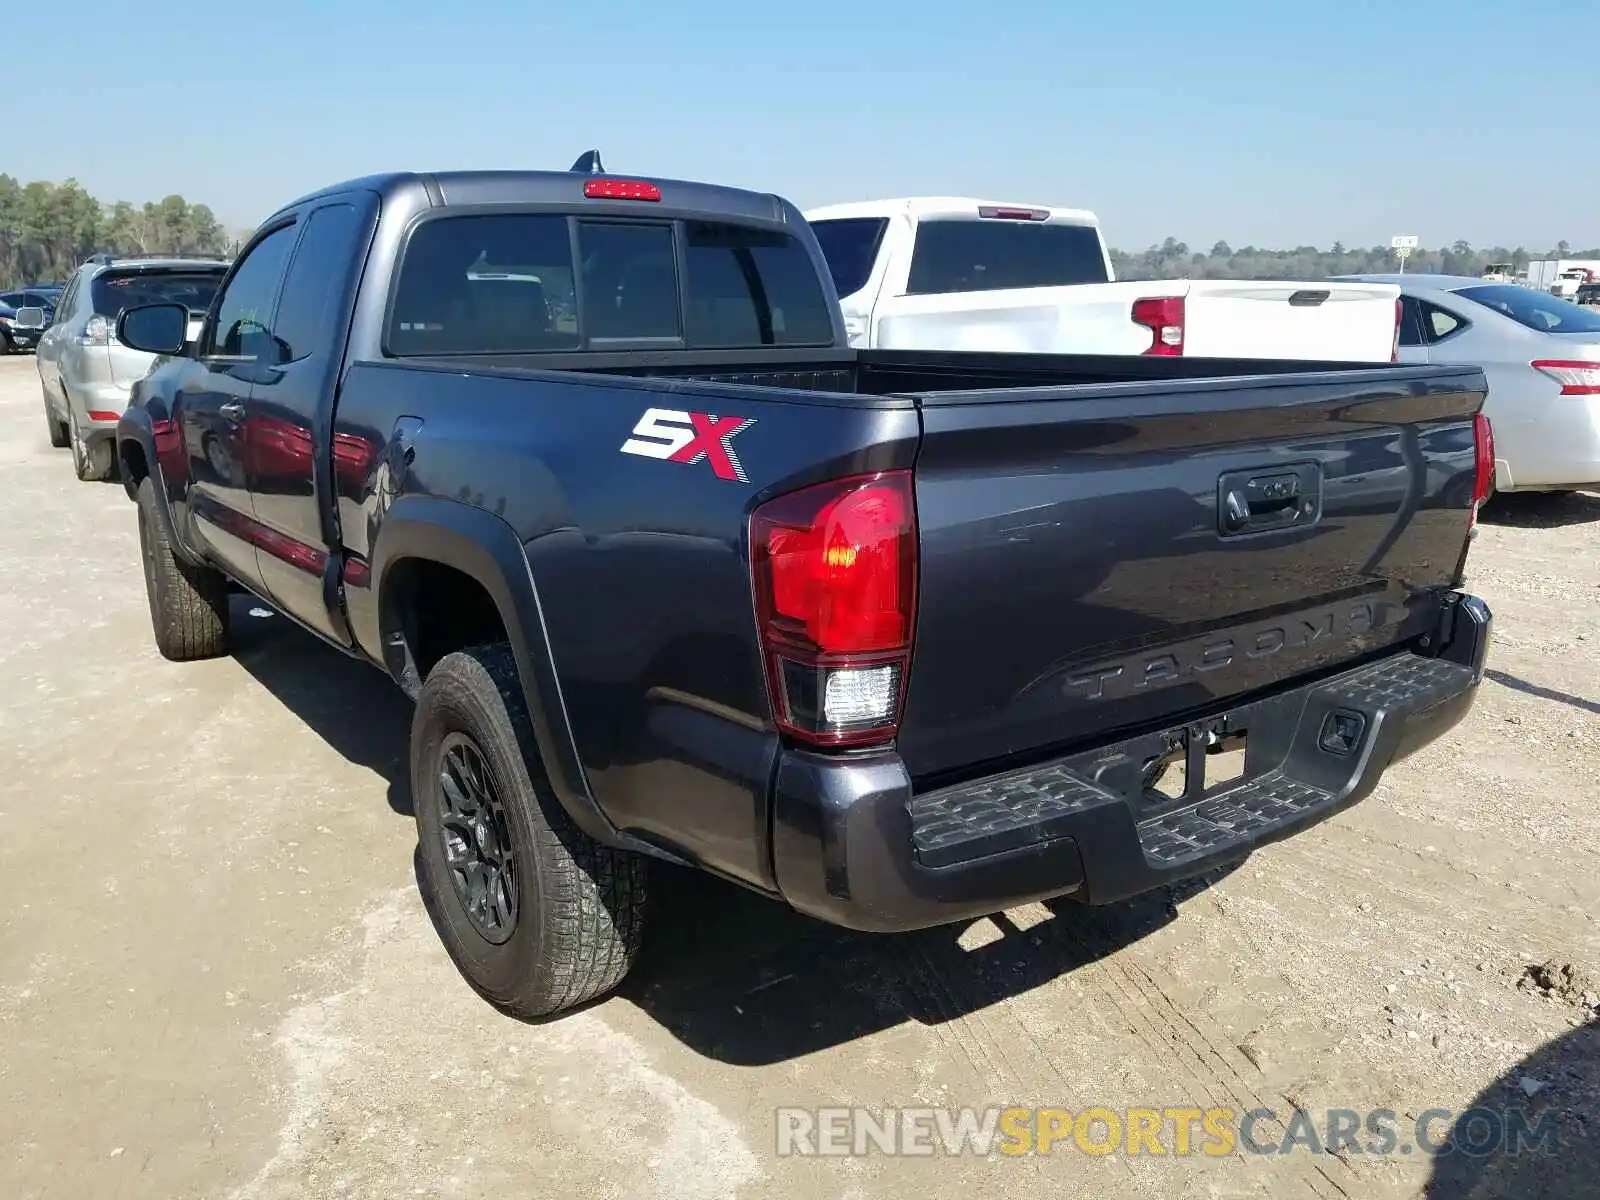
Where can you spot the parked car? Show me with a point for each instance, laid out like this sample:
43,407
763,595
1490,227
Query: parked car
16,333
876,634
84,371
1541,357
42,298
27,327
943,273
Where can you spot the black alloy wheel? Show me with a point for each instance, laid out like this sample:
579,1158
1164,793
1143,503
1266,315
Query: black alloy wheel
476,837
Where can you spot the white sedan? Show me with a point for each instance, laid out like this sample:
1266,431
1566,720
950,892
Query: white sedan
1541,356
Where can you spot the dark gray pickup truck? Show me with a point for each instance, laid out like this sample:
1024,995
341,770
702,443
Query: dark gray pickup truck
584,464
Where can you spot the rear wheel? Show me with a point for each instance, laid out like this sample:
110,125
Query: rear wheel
60,435
92,461
537,915
188,604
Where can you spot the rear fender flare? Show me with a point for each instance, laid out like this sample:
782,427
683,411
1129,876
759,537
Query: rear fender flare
483,547
134,428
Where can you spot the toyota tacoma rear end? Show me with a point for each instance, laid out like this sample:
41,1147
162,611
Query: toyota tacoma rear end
1141,637
586,465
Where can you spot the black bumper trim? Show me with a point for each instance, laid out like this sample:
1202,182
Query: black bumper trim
853,845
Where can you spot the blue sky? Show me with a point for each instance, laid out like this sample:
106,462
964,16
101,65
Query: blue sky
1259,122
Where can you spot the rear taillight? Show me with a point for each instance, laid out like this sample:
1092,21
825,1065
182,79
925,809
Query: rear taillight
1163,316
1482,464
621,189
835,576
1576,377
1399,315
96,331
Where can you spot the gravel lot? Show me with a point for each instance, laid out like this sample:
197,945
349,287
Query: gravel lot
217,980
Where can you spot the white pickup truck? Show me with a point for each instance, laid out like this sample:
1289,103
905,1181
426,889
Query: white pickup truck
951,273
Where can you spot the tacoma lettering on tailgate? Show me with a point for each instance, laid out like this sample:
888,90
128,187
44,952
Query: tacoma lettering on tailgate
1177,663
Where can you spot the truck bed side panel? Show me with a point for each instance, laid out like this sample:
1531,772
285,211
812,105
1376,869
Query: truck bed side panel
639,564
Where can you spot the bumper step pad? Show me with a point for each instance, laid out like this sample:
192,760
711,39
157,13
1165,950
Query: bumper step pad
1034,805
1239,816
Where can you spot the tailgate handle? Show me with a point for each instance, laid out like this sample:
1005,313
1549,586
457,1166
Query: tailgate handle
1256,501
1308,297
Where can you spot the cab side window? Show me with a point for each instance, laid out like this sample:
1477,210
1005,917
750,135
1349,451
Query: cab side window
242,329
304,323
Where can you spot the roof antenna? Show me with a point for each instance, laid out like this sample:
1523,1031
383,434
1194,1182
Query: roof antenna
588,164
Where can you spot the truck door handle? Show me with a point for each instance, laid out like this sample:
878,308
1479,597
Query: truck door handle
1244,513
233,410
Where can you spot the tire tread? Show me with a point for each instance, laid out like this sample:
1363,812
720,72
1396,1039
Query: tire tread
188,603
589,899
60,435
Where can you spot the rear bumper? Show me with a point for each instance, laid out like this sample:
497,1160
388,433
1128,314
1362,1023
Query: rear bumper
1573,471
1553,443
854,846
101,404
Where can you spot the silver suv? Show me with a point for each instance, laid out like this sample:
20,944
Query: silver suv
86,374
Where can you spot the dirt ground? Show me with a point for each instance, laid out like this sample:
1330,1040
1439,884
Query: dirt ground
217,980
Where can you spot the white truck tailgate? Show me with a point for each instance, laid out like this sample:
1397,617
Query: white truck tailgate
1330,322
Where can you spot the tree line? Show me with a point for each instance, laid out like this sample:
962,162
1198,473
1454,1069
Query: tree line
47,229
1174,260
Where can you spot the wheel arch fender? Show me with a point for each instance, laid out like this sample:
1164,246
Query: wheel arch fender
136,449
483,547
137,458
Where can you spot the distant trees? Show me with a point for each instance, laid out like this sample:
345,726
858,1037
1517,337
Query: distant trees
1171,260
47,229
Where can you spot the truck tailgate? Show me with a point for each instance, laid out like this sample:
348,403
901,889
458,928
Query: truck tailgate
1320,322
1096,559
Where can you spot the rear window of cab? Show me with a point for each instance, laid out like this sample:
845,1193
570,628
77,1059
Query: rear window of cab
521,283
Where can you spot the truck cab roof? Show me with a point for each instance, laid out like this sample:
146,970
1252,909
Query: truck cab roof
932,207
564,188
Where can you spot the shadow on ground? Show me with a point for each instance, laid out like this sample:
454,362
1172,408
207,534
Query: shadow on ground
353,707
733,975
1510,1145
1542,510
1543,693
747,981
